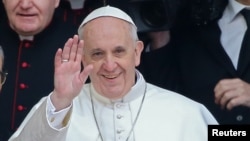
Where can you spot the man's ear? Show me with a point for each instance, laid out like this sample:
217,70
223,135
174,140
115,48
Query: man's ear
138,51
57,2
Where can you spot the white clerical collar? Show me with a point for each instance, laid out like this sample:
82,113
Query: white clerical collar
30,38
136,91
77,4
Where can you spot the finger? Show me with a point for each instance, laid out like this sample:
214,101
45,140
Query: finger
79,51
237,101
85,73
73,50
234,102
227,97
58,57
218,92
222,87
66,49
242,98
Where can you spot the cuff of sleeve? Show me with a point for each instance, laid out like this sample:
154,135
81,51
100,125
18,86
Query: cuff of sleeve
56,119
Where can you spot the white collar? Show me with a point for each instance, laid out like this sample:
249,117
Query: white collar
30,38
232,10
76,4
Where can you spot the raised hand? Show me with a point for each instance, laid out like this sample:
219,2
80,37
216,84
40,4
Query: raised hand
68,77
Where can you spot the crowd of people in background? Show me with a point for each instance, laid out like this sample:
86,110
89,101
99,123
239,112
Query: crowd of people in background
211,63
214,65
199,58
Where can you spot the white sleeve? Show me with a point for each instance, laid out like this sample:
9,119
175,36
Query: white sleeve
35,126
55,119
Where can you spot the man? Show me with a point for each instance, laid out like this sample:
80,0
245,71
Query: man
117,104
215,66
30,38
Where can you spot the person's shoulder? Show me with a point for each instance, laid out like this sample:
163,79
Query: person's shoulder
169,96
177,104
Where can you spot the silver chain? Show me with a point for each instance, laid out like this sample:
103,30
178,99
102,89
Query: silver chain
136,118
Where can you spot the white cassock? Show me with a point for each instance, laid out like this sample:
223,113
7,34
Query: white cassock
164,116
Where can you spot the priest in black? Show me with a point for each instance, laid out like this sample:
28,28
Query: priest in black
29,39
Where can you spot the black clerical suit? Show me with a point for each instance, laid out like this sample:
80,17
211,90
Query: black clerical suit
203,62
30,67
75,16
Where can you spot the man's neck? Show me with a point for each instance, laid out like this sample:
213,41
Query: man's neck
245,2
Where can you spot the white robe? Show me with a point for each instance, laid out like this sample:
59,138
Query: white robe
164,116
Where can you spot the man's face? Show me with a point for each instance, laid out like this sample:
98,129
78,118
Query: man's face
245,2
109,46
29,17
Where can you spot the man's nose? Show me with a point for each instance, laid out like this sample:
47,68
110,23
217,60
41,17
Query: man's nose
25,3
109,63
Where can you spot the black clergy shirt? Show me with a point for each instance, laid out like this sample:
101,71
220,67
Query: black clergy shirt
30,66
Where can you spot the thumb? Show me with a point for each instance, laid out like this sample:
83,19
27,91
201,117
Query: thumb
85,73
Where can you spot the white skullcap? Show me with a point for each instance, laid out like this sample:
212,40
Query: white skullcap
107,11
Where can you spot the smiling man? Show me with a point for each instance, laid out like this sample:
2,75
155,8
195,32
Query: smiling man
117,104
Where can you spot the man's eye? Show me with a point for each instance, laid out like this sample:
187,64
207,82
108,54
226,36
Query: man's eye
97,54
119,51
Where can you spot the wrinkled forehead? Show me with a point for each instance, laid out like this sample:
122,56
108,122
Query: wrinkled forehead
107,33
106,22
106,29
